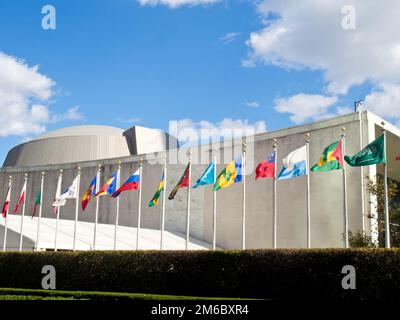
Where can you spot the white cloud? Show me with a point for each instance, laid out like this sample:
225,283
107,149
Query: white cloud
130,120
309,35
385,101
230,37
176,3
252,104
24,95
190,132
72,114
22,91
303,107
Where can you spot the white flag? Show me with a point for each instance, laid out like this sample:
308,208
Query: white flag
70,193
57,202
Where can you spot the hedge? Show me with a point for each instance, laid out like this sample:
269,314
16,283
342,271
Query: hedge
265,274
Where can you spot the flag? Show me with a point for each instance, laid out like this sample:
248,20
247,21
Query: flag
230,175
266,168
37,202
70,193
109,187
21,198
91,191
398,157
156,197
131,184
182,183
239,168
57,197
295,164
207,177
331,159
373,153
6,202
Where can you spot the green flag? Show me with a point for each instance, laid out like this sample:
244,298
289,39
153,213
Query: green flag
373,153
37,203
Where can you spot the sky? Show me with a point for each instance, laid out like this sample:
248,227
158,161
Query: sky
262,65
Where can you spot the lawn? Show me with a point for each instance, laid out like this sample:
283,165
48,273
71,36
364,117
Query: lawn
32,294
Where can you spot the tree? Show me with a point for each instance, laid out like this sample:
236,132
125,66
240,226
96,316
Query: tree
377,188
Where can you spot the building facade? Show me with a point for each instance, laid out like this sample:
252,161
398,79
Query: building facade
87,148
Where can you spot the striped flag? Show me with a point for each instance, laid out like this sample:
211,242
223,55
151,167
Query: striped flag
37,203
156,197
21,199
91,191
182,183
6,203
230,175
109,187
131,184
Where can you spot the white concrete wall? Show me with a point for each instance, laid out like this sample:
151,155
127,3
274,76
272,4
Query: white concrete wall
326,191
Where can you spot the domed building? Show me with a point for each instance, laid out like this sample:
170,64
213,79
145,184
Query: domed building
87,143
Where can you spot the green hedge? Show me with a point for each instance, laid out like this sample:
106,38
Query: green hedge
276,274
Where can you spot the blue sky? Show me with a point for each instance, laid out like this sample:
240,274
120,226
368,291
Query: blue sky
114,61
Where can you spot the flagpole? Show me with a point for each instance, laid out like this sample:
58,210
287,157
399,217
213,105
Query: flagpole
77,207
97,206
163,204
274,235
23,215
387,222
215,202
6,218
308,192
117,215
345,210
58,209
362,176
244,196
188,203
40,212
140,203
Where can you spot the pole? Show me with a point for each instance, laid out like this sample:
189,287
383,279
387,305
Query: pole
23,215
96,219
244,196
77,207
387,222
59,188
163,204
274,235
40,212
362,177
308,192
140,203
117,215
215,203
6,218
345,210
188,204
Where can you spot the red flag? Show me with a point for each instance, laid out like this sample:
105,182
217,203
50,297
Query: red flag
398,157
182,183
266,168
21,199
6,203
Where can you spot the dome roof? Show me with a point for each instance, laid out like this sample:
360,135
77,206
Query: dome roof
70,145
89,130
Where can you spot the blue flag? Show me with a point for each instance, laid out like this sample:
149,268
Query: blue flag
239,169
207,177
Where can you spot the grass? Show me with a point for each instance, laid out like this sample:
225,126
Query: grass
33,294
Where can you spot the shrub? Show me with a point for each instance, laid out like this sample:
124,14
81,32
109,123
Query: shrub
276,274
